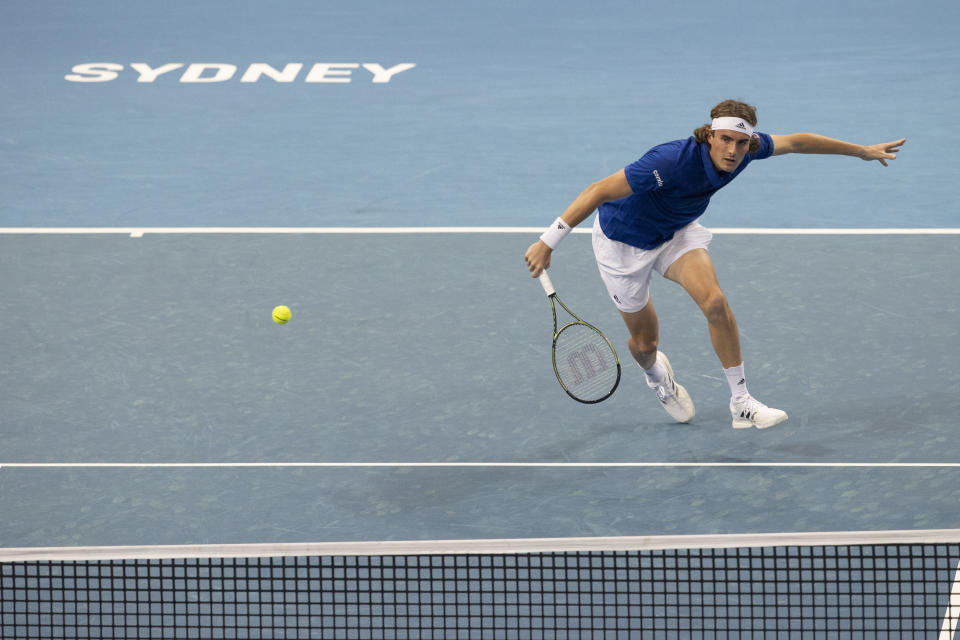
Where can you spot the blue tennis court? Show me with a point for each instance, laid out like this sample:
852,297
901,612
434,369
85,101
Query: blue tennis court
171,172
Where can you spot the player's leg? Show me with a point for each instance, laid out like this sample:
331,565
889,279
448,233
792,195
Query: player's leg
644,327
694,271
626,273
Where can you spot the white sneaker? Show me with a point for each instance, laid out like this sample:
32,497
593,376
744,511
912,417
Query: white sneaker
673,396
750,412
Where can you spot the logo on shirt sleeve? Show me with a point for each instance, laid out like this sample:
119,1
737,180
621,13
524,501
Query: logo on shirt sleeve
659,179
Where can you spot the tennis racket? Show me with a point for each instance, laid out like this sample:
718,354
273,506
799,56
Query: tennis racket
585,362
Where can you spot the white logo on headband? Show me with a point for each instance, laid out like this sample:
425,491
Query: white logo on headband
733,124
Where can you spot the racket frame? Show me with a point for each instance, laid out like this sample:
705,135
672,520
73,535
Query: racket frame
551,292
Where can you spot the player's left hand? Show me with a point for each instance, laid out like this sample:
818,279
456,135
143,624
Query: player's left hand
883,152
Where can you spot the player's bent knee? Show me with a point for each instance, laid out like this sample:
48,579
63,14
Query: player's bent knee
715,307
642,346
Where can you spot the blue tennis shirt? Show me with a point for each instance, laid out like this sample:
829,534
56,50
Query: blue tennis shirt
672,184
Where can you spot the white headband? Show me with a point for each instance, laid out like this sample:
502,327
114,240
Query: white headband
733,124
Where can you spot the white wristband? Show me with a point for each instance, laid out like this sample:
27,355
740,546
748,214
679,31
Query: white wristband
555,233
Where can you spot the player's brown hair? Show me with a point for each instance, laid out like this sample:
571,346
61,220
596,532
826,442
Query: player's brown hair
730,109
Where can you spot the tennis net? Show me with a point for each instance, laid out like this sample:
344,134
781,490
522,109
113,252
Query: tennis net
866,585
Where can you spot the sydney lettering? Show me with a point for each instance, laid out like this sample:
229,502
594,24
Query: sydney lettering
209,72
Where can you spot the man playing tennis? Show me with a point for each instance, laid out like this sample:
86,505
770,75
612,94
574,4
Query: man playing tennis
647,221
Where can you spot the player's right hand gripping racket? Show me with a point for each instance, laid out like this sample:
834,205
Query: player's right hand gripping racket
585,362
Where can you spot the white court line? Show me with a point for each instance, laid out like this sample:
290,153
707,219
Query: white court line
138,232
484,546
952,615
469,465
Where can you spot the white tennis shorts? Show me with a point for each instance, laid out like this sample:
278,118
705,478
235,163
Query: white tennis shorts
626,270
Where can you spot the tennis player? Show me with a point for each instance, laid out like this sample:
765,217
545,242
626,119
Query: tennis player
648,221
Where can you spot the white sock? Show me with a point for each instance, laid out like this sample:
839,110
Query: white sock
657,373
737,381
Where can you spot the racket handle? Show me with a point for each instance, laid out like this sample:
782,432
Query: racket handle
547,285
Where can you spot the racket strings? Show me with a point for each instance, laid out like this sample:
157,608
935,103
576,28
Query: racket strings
585,363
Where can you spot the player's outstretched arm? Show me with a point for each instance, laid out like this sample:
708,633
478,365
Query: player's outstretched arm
815,143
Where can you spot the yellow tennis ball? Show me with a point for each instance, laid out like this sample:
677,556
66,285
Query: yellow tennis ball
281,314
